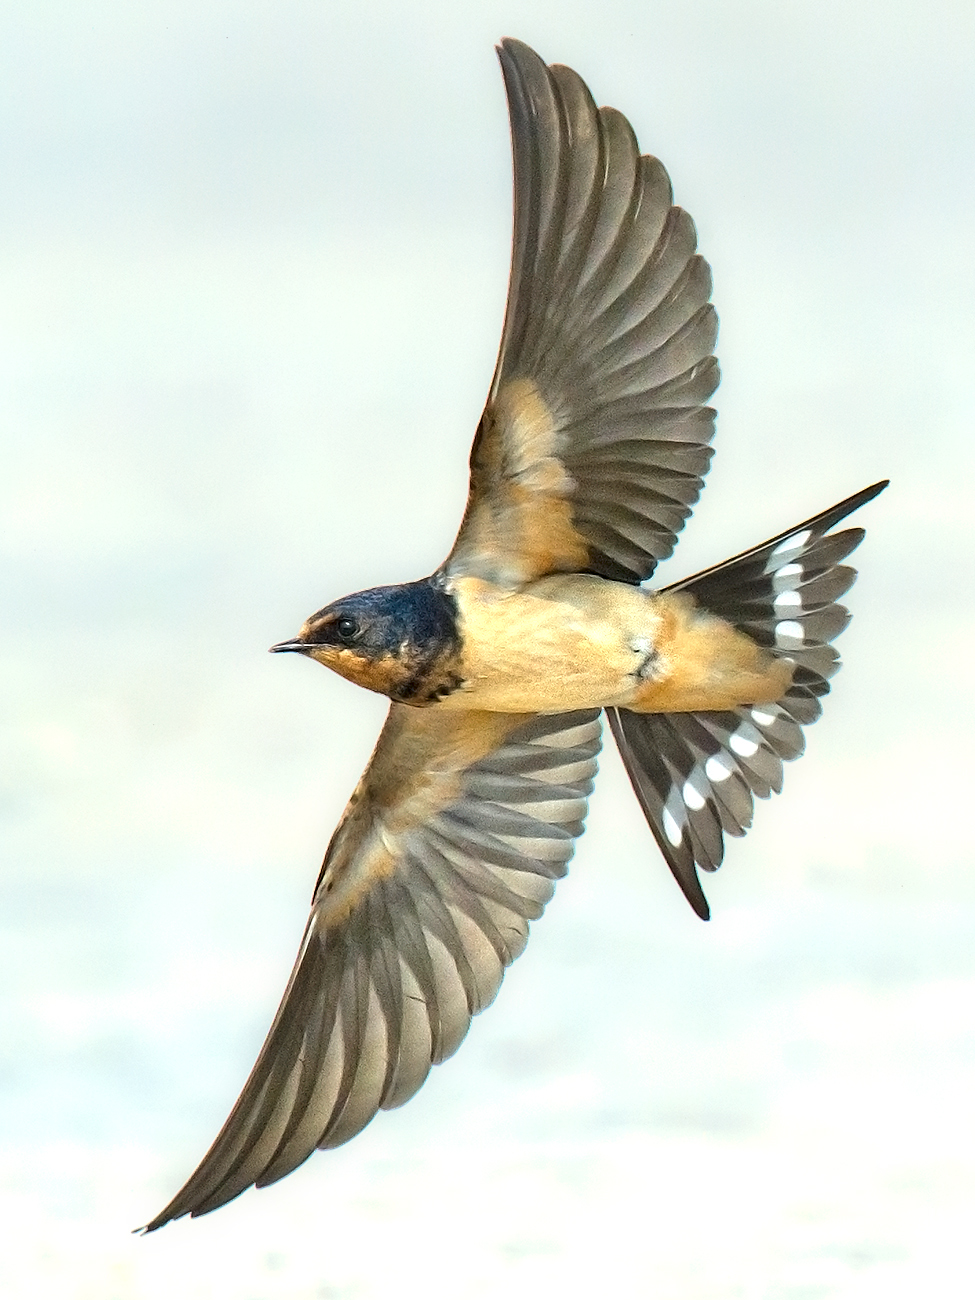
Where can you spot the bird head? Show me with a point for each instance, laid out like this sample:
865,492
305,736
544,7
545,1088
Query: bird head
399,641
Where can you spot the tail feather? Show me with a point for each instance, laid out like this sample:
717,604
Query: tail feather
697,775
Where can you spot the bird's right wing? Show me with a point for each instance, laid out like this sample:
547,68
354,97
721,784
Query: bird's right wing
595,439
450,845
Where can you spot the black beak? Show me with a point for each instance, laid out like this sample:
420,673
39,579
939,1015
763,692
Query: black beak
299,646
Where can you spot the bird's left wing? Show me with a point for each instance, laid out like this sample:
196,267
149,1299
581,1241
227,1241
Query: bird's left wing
450,845
595,439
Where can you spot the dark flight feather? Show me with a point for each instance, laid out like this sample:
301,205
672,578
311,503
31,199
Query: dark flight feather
606,350
379,996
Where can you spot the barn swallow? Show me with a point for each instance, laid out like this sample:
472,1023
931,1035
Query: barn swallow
588,459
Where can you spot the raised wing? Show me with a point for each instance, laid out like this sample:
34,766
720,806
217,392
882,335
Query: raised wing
450,845
595,438
697,775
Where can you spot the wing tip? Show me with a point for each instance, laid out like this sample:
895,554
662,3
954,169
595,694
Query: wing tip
510,50
153,1225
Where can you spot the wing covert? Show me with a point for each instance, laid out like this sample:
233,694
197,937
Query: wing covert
450,846
595,439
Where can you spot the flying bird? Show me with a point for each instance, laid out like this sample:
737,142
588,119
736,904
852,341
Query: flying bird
589,456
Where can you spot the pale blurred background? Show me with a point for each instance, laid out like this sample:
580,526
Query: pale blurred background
252,275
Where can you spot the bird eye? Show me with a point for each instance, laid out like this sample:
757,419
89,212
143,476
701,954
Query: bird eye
346,628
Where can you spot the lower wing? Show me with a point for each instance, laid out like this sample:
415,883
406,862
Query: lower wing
450,845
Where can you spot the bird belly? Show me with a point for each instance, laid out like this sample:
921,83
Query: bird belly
574,641
554,645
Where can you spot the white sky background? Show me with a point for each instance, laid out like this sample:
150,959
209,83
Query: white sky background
252,273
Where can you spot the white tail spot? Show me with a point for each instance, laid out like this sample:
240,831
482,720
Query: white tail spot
762,718
787,599
743,745
692,797
671,829
794,543
717,768
788,634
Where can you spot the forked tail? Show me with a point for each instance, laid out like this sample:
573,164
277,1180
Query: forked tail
696,774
